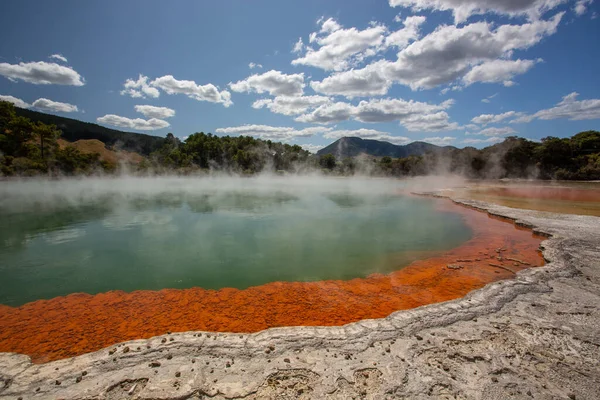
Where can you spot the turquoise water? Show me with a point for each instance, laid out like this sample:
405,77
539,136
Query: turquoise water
94,236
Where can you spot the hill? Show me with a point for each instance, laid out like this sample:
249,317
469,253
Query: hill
74,130
354,146
92,146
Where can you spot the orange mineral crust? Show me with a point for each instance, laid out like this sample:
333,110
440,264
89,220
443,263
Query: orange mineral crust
79,323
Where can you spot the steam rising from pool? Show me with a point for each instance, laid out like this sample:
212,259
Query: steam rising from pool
96,235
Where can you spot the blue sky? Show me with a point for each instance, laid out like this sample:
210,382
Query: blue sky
445,71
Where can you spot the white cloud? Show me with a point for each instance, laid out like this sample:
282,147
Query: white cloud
16,101
447,54
463,9
54,106
411,31
493,131
498,71
371,134
368,81
489,98
569,108
139,88
312,148
435,122
41,73
254,65
490,140
208,92
281,133
136,124
273,82
340,49
155,112
59,57
298,46
485,119
414,115
291,105
581,6
440,141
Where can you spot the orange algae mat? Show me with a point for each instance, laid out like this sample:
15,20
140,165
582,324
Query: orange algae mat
79,323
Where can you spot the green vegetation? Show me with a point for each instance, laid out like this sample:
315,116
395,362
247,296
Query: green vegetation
31,147
575,158
73,130
243,154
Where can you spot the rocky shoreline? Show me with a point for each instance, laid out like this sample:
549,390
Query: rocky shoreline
534,336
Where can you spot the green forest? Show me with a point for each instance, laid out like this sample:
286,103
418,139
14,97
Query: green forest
29,148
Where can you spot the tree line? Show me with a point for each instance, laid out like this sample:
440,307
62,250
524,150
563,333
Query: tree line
31,148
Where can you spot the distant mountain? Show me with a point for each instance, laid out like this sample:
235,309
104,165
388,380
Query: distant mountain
353,146
73,130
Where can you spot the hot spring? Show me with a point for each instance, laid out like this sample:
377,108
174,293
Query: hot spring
97,235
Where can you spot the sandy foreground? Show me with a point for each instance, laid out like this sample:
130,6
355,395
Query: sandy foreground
534,336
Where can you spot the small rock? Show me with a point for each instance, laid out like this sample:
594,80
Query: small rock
227,365
126,350
78,379
287,360
57,383
154,364
169,357
84,373
177,374
419,337
163,340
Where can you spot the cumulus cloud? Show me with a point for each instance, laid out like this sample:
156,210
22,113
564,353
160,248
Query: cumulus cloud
463,9
54,106
363,133
485,119
291,105
298,46
411,31
368,81
16,101
155,112
498,71
273,82
254,65
503,131
208,92
59,57
280,133
139,88
138,124
447,54
41,73
440,141
569,108
581,6
338,48
414,115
